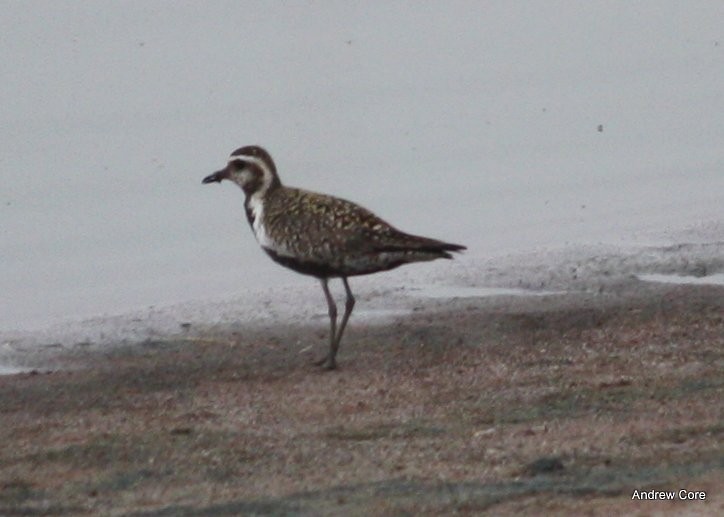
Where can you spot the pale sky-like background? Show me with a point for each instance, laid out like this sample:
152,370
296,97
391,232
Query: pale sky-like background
475,122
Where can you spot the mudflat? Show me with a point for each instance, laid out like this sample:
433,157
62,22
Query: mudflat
568,403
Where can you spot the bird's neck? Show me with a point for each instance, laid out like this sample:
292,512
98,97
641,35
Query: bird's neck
256,199
261,189
260,179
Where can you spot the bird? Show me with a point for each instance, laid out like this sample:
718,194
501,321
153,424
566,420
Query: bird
321,235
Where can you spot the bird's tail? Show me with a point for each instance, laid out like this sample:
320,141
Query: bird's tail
423,245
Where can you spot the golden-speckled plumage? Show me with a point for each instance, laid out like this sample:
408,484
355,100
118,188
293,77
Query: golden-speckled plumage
346,237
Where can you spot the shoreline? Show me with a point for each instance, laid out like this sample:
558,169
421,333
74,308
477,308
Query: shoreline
568,271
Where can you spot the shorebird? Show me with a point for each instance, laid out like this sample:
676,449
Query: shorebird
320,235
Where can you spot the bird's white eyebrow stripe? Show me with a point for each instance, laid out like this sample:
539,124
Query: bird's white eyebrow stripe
252,159
246,158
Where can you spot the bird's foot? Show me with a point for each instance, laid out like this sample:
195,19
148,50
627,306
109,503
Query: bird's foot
327,362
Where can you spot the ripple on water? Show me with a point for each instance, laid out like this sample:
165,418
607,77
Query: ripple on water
451,291
716,279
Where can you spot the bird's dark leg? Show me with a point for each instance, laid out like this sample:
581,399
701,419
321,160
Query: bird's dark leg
328,360
348,306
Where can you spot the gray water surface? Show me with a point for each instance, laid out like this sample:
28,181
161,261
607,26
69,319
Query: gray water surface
502,127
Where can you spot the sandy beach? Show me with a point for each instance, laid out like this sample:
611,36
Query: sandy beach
564,403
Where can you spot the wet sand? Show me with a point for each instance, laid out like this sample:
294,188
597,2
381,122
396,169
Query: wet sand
510,405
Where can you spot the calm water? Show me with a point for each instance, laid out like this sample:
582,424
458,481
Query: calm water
501,127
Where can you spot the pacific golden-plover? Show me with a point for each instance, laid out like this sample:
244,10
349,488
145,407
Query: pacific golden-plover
320,235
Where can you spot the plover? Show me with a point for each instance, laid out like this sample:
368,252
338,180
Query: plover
321,235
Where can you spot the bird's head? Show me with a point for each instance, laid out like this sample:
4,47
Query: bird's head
250,167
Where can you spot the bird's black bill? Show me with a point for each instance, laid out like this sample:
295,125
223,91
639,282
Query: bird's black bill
216,177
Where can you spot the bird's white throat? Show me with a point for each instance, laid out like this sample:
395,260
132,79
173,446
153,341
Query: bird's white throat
256,205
